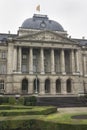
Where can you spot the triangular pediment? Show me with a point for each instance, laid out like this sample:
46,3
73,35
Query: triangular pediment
45,36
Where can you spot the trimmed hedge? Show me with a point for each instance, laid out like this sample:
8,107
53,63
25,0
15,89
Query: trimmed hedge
5,107
20,101
10,107
21,110
4,100
29,101
12,100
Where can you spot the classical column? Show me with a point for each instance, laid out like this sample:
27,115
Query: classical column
52,62
63,62
15,60
19,59
72,62
77,61
31,61
42,60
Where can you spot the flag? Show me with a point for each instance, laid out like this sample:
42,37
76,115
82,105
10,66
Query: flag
38,8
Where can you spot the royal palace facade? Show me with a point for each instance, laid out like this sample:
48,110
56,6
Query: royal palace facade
41,59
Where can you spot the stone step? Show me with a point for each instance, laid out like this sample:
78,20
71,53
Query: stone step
62,101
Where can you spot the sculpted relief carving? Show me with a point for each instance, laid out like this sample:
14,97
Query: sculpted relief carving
45,36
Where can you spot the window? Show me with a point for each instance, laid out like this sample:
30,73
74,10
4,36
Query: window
25,60
24,56
24,68
1,86
3,55
2,68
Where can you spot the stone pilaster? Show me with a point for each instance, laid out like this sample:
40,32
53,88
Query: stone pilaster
53,87
10,59
31,61
42,60
42,89
52,62
72,62
84,63
74,87
63,87
77,61
62,62
19,59
15,60
30,87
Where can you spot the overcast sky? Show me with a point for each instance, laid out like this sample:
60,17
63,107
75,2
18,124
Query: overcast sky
71,14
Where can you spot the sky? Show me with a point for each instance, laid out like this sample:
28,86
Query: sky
71,14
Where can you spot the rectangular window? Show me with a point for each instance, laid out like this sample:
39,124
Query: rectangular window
2,68
24,68
24,56
3,55
1,86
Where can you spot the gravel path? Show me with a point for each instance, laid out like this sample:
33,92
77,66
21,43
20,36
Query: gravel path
72,110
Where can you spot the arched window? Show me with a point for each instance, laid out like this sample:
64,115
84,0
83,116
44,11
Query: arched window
58,86
69,86
47,86
1,86
36,86
24,85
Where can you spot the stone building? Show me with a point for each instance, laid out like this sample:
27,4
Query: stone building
42,59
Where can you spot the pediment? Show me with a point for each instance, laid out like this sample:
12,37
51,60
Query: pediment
45,36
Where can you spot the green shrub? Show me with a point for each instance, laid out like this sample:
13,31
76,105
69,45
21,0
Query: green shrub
20,101
12,100
33,100
30,101
4,100
1,100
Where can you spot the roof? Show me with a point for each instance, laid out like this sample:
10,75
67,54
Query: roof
4,36
82,42
41,22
